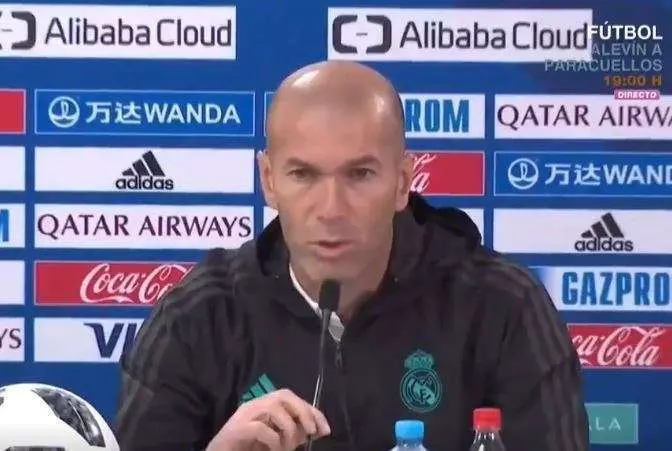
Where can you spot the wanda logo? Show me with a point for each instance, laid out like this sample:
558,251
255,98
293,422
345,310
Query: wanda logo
456,173
623,345
105,283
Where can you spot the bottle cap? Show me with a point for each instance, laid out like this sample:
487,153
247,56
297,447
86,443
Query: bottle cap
487,418
409,430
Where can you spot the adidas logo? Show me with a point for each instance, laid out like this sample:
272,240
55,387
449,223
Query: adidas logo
261,387
145,174
604,235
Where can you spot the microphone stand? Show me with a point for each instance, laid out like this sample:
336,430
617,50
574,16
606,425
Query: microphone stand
330,293
326,318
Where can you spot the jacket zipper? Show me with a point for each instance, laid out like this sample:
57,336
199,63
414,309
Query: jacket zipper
342,396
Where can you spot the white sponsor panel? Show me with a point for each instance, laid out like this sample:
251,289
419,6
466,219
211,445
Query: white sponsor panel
269,215
83,339
12,288
12,225
133,170
565,231
12,168
91,226
444,115
119,31
459,34
609,288
475,214
12,339
582,117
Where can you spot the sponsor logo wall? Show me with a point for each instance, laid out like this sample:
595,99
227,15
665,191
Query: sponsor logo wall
130,149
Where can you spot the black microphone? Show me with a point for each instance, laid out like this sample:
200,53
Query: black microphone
330,294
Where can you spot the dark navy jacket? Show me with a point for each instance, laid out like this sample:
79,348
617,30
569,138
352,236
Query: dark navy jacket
453,327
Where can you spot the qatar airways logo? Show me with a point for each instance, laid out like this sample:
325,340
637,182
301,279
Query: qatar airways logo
570,116
105,283
142,226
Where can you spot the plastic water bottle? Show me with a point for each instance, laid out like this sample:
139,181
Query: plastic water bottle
410,434
487,424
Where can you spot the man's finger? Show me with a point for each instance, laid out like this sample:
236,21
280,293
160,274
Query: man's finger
322,423
299,409
284,423
262,433
312,420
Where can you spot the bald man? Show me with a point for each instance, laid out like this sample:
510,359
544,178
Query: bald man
430,324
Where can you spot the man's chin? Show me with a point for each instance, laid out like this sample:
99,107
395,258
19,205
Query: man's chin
338,269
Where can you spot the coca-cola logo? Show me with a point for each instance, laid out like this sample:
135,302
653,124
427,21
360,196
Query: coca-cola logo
103,285
421,174
625,346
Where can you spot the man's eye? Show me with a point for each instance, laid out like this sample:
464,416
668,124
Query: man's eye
299,174
361,173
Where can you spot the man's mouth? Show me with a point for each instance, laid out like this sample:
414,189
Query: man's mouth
331,248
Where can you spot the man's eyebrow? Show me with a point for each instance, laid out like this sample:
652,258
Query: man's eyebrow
292,162
359,161
365,160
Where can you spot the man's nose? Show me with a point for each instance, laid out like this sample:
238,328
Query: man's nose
332,201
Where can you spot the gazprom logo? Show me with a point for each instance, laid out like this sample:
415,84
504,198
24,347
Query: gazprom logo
444,115
4,225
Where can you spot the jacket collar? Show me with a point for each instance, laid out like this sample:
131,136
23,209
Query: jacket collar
273,256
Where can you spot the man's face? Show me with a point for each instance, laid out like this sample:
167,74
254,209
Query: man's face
336,180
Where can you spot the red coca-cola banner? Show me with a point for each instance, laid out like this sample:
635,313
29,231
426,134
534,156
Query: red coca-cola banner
105,283
623,345
448,173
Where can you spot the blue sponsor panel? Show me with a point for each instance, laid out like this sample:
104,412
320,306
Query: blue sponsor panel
577,177
4,225
268,98
608,288
144,113
583,174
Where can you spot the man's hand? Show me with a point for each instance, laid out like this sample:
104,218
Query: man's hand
279,421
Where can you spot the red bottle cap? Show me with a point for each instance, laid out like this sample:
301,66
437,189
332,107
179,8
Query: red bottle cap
487,418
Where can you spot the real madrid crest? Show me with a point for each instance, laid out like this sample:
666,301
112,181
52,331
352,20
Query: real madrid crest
420,386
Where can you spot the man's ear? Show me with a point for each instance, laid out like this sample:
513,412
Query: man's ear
405,180
265,175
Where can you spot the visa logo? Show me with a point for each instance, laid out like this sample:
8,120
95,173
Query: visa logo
121,334
4,225
444,115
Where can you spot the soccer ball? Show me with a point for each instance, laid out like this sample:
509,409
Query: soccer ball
43,416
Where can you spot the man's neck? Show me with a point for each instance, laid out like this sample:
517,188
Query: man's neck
353,292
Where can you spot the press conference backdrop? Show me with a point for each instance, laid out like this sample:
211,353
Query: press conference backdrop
128,136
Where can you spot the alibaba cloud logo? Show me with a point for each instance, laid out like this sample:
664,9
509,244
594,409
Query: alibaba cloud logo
360,28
